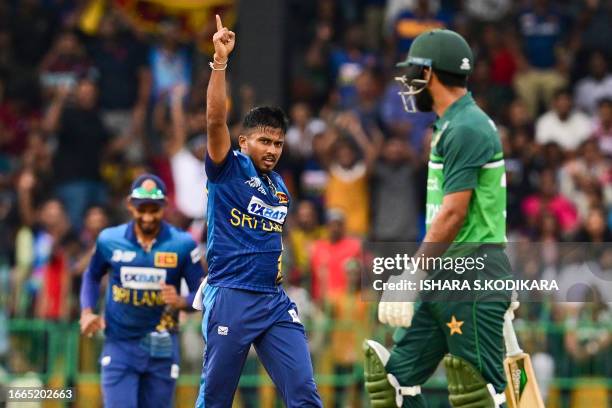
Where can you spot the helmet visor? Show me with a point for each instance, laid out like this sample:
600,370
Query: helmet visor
412,82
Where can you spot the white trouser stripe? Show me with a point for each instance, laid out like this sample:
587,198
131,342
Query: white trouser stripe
410,391
498,399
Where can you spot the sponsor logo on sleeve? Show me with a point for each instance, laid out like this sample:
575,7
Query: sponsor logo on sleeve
294,316
137,277
123,256
174,371
166,259
432,184
255,182
196,254
273,213
222,330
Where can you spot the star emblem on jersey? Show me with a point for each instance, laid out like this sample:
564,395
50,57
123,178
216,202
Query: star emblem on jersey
465,64
455,326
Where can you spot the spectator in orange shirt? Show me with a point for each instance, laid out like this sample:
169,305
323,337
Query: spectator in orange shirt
348,185
333,257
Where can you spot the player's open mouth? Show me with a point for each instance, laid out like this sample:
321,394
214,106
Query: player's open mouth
269,160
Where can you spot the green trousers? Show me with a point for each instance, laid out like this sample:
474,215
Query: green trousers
471,329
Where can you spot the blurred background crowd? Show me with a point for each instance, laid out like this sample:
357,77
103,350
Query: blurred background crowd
94,92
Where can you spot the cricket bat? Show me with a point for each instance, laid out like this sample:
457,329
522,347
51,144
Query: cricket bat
522,390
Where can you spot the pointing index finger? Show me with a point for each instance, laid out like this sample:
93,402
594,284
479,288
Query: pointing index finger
219,24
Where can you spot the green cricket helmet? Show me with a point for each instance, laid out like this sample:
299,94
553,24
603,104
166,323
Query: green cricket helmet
442,50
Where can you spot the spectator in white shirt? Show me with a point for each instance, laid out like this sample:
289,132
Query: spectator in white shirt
562,124
596,86
302,131
186,159
602,125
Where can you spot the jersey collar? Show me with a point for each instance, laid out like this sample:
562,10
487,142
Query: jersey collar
269,179
452,110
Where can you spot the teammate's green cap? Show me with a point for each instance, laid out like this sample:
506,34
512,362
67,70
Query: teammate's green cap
443,50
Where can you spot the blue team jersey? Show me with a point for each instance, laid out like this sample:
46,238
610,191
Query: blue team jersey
133,302
246,213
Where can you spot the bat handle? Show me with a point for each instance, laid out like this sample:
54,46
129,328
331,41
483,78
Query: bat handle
512,346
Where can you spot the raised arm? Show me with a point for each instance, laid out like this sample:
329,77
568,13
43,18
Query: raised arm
51,121
25,197
177,115
352,124
218,137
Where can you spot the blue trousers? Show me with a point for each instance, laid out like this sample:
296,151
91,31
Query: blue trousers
131,378
236,319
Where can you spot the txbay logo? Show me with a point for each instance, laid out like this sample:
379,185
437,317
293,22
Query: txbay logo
273,213
136,277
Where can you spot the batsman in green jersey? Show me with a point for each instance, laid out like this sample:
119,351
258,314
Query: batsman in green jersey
466,208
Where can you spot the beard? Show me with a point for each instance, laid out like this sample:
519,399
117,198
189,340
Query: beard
149,228
424,101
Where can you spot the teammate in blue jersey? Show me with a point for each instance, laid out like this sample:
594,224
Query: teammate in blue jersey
247,206
146,260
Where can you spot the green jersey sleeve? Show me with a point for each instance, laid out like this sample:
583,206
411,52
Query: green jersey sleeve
465,151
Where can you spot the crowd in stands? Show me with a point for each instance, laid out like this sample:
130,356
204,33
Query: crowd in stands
82,113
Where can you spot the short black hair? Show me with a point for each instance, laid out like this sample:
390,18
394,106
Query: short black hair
266,116
450,79
606,100
563,91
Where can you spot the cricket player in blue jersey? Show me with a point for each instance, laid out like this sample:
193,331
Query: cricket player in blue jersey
147,258
243,301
